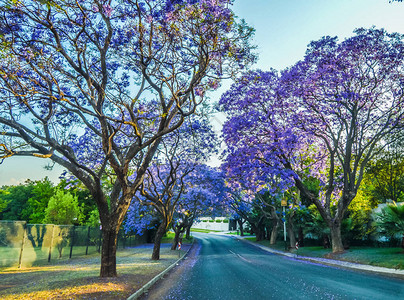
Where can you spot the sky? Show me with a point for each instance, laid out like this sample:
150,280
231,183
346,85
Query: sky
283,30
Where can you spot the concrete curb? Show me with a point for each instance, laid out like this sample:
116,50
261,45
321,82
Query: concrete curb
156,278
334,263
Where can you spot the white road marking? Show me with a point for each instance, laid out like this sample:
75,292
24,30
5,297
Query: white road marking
240,256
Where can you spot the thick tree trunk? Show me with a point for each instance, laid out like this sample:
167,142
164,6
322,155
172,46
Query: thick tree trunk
326,241
176,239
274,233
157,240
240,223
336,238
188,232
292,238
300,237
260,233
108,252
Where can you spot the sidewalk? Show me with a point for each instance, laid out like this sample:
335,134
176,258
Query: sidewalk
331,262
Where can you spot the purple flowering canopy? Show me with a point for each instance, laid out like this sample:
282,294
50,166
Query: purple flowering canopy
325,117
167,178
114,70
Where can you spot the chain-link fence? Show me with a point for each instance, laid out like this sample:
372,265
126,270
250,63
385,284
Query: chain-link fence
23,244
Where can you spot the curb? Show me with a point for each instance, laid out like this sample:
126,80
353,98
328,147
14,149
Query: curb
156,278
334,263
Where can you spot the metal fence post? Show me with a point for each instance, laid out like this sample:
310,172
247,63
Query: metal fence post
51,243
24,235
99,241
88,239
72,242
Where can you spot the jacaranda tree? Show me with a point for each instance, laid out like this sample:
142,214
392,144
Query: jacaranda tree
205,195
118,71
350,99
168,176
324,118
260,140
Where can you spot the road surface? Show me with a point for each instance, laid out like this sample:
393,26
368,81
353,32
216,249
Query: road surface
222,267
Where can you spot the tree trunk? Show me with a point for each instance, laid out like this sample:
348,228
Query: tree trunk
240,223
188,232
300,237
326,241
291,234
108,252
176,239
336,238
260,232
274,233
157,240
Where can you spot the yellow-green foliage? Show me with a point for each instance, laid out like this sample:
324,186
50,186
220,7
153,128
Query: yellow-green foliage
360,211
63,209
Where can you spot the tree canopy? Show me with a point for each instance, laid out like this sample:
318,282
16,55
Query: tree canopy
108,80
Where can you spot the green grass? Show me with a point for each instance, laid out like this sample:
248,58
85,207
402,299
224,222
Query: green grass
238,233
382,257
79,278
203,230
9,256
169,238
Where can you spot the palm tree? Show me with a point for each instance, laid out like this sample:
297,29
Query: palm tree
391,220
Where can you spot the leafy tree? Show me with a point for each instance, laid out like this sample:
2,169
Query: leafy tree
16,198
95,86
167,178
385,173
42,191
63,209
348,110
85,200
204,196
326,117
391,220
93,218
360,212
250,208
3,202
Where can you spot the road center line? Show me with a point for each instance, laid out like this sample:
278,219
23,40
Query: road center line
240,256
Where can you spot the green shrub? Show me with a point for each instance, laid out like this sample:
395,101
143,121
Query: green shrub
204,221
211,221
218,221
225,221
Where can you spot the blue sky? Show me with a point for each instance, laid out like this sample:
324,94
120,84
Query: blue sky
283,30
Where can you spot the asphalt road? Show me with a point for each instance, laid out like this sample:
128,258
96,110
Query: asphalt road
222,267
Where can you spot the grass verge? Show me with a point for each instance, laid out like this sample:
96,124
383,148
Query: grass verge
203,230
381,257
238,233
79,278
169,238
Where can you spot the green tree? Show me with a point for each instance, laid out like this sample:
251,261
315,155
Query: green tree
3,203
63,209
386,173
93,218
16,198
84,198
42,191
360,213
391,220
